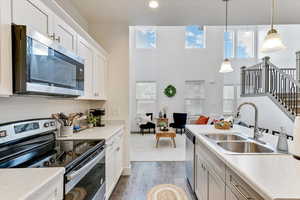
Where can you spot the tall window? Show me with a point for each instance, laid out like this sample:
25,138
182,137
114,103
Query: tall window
229,99
194,97
145,38
229,44
146,94
245,44
194,37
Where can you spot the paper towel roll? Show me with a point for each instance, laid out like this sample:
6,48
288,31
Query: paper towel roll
295,147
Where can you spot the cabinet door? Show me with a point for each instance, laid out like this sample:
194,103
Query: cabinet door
65,34
230,195
99,76
216,187
201,179
34,14
5,49
85,51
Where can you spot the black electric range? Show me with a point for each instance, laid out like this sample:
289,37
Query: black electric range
32,143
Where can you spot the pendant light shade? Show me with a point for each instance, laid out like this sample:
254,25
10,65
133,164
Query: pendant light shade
272,41
226,66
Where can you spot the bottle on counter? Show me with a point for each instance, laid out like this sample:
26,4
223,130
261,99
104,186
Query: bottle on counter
282,144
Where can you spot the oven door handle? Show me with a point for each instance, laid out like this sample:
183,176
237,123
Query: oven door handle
86,167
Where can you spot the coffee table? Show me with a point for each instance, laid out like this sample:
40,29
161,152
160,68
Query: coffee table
171,133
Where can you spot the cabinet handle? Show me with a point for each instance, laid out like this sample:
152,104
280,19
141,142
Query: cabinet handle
57,39
52,36
237,188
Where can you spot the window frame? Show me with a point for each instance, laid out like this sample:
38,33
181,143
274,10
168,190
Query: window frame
255,30
254,41
233,44
204,39
235,99
147,28
155,100
201,99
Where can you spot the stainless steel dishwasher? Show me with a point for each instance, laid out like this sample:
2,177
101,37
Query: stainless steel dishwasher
190,159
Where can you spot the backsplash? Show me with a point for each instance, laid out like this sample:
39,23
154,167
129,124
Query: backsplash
28,107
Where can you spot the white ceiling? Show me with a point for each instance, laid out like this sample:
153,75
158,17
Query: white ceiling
184,12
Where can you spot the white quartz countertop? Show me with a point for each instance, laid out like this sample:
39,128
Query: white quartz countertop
274,177
96,133
21,184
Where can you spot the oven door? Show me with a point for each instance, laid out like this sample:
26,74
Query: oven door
43,66
87,180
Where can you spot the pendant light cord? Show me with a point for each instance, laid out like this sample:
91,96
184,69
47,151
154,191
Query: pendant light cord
272,14
226,17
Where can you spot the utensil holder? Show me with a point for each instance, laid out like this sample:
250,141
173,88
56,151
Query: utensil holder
66,131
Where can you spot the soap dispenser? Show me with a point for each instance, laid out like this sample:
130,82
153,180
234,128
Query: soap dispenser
282,144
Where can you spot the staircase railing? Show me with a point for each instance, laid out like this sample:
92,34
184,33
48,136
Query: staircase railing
267,79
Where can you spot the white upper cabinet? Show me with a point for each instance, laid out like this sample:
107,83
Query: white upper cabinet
5,49
100,76
34,14
65,35
38,16
85,50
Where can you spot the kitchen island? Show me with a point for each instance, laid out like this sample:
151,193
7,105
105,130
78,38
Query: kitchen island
272,176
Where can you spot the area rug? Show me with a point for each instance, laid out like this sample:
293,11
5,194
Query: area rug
142,148
167,192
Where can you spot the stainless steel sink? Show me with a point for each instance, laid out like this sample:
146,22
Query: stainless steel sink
244,147
224,137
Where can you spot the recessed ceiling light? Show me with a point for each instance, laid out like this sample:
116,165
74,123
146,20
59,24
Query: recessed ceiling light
153,4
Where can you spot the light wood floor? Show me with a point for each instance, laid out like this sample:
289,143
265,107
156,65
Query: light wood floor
145,175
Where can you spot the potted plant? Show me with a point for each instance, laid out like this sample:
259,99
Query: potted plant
92,120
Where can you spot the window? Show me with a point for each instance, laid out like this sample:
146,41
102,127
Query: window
145,38
146,97
245,44
194,37
229,99
229,44
194,97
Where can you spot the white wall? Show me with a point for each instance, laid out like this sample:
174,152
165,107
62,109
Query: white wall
115,39
269,114
171,63
29,107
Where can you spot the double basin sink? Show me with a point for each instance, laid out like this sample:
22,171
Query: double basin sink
238,144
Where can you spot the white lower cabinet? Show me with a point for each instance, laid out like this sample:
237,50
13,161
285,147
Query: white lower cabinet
114,162
216,181
216,187
230,195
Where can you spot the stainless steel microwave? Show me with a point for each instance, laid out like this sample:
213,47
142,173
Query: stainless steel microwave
42,66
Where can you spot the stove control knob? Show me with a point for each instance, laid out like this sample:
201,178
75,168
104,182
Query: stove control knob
52,160
46,164
46,125
52,123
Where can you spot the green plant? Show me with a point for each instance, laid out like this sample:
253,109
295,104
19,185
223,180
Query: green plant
91,119
170,91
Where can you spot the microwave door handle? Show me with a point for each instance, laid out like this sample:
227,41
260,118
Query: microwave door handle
86,167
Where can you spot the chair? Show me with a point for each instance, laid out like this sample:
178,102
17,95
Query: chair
148,125
179,122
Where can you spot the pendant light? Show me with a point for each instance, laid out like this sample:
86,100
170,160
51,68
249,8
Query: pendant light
226,65
272,41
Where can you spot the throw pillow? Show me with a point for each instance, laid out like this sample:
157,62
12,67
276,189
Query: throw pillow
202,120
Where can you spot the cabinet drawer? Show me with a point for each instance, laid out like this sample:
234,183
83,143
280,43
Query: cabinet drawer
239,187
213,162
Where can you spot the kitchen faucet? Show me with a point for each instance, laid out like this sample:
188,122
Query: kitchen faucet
257,133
